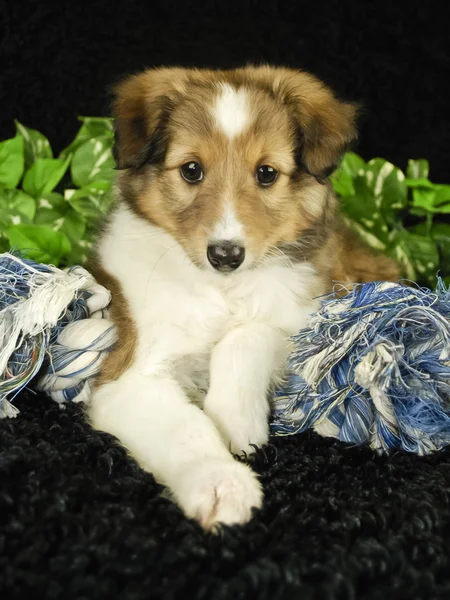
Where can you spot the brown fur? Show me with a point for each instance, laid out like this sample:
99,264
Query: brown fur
163,119
357,263
117,361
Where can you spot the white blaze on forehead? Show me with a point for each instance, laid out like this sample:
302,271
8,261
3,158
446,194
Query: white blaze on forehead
231,110
229,227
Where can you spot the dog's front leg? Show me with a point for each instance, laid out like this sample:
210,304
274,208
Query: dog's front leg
177,442
243,366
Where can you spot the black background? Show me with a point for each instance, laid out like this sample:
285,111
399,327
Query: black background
59,59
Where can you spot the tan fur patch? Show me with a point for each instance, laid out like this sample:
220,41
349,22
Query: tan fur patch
356,263
122,356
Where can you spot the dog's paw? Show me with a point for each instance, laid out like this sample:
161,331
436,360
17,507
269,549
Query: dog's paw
240,432
216,492
242,425
242,439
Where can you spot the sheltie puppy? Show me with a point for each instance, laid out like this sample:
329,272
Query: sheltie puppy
224,234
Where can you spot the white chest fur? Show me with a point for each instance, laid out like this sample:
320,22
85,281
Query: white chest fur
181,311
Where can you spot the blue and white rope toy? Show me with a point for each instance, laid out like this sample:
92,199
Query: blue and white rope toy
53,326
372,367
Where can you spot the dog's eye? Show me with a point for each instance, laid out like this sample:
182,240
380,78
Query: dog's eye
192,172
266,175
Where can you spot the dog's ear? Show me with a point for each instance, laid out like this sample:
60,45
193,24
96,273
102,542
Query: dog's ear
141,110
325,125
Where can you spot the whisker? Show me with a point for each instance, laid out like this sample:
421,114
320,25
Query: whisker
298,246
156,264
141,236
274,249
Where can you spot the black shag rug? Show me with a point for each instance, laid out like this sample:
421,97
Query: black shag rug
80,520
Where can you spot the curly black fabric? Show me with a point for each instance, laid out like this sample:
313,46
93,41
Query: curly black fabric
80,520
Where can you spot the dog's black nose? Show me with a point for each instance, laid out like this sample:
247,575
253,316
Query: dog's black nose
226,256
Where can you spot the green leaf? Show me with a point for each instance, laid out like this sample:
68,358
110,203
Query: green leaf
362,203
388,185
39,242
440,233
432,200
15,207
418,255
4,242
60,216
444,209
418,212
11,161
81,251
371,240
73,225
93,161
442,195
51,200
97,126
362,209
424,198
92,201
352,165
92,127
36,145
419,183
417,169
44,175
342,183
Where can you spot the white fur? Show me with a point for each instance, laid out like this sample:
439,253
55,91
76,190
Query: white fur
229,227
231,110
198,331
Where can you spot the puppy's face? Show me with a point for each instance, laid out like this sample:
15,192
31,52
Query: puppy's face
231,163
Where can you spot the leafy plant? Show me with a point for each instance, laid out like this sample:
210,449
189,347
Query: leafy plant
50,206
405,216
